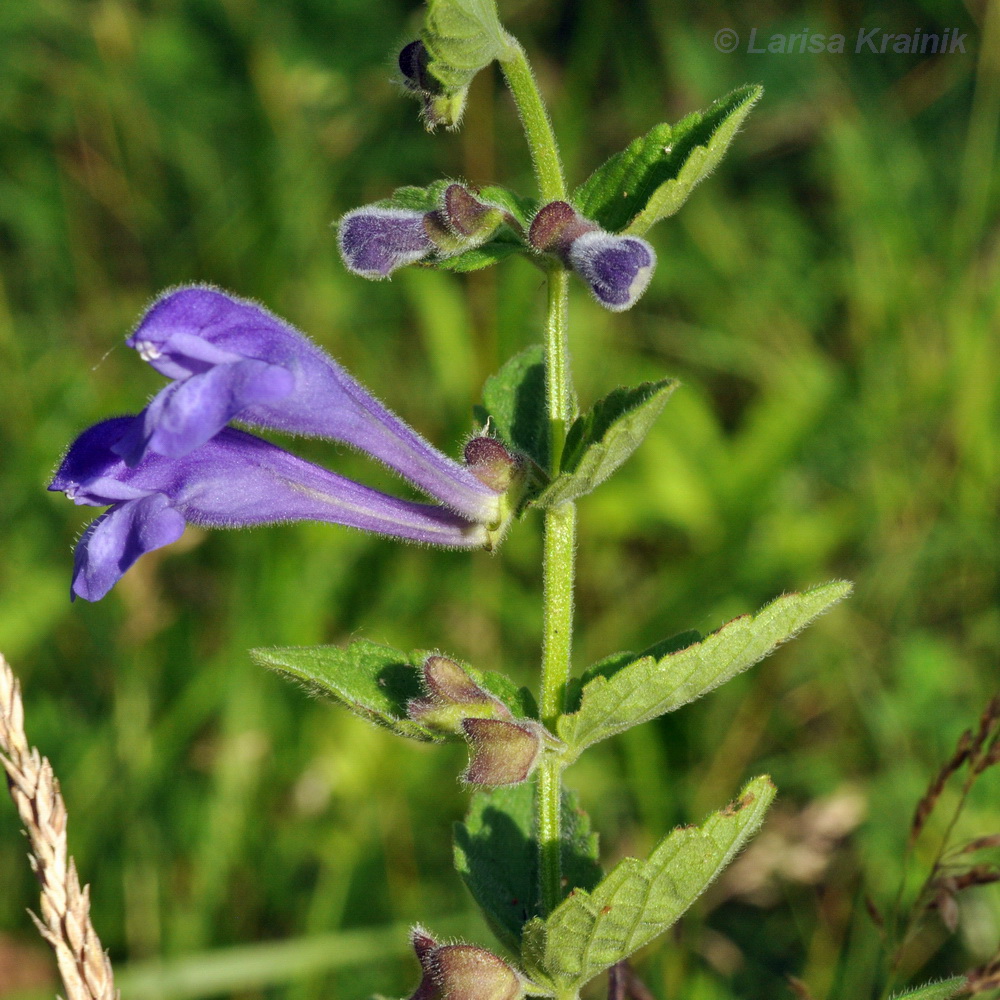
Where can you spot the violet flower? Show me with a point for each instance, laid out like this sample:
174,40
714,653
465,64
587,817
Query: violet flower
617,268
234,480
376,241
232,359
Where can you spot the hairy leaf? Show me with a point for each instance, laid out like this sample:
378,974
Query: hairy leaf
648,687
610,665
376,681
944,990
514,402
599,441
653,176
639,900
496,853
462,37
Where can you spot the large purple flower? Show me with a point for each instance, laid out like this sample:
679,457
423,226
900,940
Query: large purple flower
234,480
231,359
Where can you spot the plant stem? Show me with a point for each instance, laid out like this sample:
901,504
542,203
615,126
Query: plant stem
537,126
557,593
560,523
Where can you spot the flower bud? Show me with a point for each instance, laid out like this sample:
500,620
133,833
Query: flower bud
413,61
452,697
555,226
465,972
503,752
376,241
462,972
438,105
463,221
490,462
617,268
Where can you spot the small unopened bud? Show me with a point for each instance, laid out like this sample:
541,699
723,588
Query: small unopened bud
439,106
617,268
413,61
463,221
465,972
503,752
447,681
375,241
452,697
491,463
555,226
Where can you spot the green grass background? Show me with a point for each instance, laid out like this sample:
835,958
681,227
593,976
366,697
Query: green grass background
829,299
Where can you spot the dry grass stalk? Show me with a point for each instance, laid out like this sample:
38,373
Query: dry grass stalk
65,920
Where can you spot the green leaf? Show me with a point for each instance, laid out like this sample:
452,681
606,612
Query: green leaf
488,254
462,37
376,681
944,990
617,699
601,440
496,853
639,900
514,403
653,176
610,665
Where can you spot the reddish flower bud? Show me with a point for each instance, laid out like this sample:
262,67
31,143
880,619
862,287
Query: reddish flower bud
490,462
503,752
452,696
556,225
465,972
462,972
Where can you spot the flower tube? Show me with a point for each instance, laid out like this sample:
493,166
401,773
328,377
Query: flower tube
231,359
235,480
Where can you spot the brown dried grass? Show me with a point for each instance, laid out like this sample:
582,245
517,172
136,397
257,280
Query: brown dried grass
65,907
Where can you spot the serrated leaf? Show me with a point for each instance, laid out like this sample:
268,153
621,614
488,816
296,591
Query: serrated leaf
496,853
376,681
649,687
610,665
599,441
639,900
944,990
462,37
514,402
653,176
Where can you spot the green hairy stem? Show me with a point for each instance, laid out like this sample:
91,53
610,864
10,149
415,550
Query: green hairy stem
560,522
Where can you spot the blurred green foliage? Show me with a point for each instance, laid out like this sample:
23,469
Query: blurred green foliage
829,300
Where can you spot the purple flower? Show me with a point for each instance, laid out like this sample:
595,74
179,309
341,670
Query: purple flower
231,359
617,268
375,241
234,480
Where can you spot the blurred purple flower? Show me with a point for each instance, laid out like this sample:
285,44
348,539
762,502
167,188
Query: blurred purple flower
234,480
232,359
617,268
376,241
